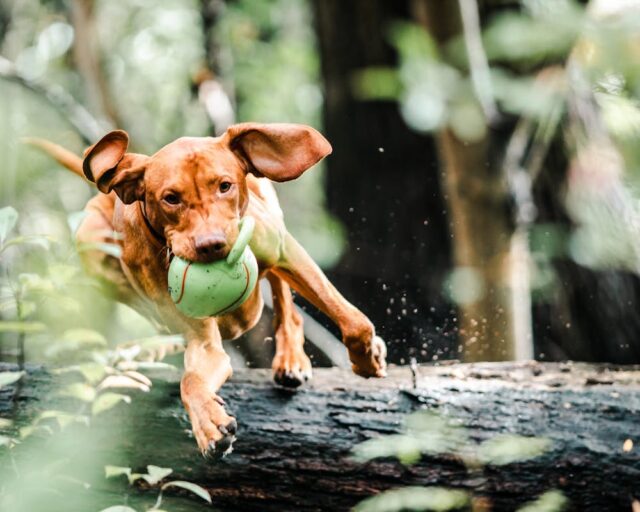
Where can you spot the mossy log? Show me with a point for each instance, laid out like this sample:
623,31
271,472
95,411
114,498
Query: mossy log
293,449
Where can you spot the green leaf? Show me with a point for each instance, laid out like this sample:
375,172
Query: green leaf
406,448
526,96
426,433
84,337
376,83
22,327
156,473
194,488
62,274
467,121
412,40
620,114
73,341
40,240
414,498
550,501
5,423
27,307
106,401
508,448
80,391
30,429
31,282
6,441
153,342
123,381
8,220
7,378
92,372
514,37
111,471
63,418
111,249
118,508
146,365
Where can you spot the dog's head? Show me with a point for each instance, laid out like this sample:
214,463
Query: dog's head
194,190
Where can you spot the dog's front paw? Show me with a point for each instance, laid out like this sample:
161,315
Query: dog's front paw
369,360
213,428
291,368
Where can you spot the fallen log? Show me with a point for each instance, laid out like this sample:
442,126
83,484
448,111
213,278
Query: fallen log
293,449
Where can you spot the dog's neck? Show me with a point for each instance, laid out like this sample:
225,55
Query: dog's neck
159,238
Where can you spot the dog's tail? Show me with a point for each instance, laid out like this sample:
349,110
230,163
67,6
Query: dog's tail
61,155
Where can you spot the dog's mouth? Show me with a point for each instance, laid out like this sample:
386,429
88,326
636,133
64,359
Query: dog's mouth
169,255
211,258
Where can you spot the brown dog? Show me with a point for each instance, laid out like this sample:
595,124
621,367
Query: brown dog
187,200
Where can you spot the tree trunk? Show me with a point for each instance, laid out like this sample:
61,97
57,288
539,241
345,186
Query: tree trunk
481,223
293,448
383,183
482,232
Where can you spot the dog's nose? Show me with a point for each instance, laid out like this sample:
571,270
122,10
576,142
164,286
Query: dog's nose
210,244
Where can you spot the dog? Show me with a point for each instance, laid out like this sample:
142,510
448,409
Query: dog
187,200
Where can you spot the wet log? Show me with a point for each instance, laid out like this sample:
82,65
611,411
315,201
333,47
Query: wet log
293,449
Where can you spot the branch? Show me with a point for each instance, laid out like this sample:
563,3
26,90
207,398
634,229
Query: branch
73,112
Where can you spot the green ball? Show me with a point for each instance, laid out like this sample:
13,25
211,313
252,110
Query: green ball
211,289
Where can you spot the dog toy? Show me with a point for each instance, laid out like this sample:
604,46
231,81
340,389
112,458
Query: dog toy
211,289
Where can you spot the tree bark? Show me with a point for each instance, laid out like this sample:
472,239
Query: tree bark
293,448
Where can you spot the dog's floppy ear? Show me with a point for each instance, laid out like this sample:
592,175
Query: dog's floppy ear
110,167
280,152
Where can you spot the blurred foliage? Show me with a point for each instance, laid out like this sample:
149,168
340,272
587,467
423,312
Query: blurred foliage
566,71
43,312
147,54
431,84
153,476
269,55
415,498
426,433
550,501
47,300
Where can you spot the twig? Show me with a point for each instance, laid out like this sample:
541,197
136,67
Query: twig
478,62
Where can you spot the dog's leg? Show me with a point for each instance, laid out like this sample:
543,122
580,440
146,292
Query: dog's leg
291,366
366,350
207,367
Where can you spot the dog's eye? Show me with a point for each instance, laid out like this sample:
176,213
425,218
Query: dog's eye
171,198
225,186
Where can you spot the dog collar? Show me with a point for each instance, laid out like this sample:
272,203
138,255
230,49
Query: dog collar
157,236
